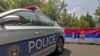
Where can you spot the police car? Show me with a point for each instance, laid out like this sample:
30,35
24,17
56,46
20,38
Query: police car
24,32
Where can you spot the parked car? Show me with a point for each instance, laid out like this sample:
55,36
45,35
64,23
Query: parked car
27,33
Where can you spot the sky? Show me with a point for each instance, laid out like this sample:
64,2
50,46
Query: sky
81,7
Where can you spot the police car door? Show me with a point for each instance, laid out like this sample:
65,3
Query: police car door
48,30
22,37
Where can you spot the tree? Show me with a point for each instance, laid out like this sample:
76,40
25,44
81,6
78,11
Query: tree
63,18
75,22
2,6
13,4
90,20
68,21
53,8
50,7
83,23
97,15
1,9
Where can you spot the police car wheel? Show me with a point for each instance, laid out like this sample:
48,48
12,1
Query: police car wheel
59,46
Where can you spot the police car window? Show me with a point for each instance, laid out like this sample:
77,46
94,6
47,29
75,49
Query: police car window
45,21
26,18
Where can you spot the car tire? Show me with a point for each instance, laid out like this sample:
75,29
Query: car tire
59,46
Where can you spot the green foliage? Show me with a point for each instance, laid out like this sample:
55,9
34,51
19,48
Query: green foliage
50,7
83,23
97,11
1,9
54,9
97,15
12,4
89,19
86,21
2,6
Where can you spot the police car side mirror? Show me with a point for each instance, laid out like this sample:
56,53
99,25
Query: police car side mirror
10,19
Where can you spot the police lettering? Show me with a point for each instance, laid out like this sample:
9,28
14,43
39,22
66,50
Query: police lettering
41,42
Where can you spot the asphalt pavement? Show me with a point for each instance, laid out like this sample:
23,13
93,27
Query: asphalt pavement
80,50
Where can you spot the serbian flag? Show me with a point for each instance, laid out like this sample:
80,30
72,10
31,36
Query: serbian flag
72,33
82,33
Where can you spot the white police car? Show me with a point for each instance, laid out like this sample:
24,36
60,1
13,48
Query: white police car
26,33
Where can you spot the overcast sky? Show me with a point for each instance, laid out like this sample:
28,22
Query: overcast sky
81,7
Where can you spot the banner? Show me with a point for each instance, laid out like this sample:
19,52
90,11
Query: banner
85,35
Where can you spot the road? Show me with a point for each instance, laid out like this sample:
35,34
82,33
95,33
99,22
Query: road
80,50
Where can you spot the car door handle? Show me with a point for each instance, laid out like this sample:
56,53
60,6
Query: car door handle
38,32
56,30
